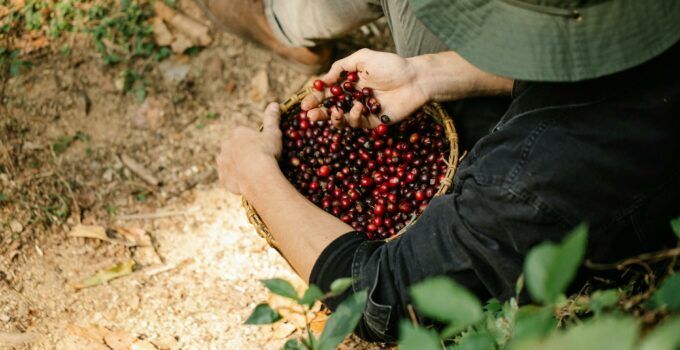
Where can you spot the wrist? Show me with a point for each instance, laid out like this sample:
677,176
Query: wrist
447,76
254,170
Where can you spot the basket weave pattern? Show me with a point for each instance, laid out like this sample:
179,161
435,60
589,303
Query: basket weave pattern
434,110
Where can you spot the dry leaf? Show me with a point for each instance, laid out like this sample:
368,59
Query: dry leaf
283,329
161,32
17,338
129,236
318,322
192,29
103,276
142,345
95,334
181,43
18,4
166,343
119,340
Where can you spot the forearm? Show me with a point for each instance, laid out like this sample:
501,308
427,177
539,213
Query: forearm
446,76
301,229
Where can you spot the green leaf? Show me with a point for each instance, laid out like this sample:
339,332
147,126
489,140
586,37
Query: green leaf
412,338
668,294
675,225
549,267
263,314
478,341
532,322
340,285
343,321
603,299
442,299
119,270
663,337
595,334
281,287
312,294
293,344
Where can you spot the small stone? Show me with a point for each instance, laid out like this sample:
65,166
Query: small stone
213,68
16,226
151,114
174,72
86,198
4,318
259,85
108,175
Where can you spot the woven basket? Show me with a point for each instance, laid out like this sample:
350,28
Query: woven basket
433,110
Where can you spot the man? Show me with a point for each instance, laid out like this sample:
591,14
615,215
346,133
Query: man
591,134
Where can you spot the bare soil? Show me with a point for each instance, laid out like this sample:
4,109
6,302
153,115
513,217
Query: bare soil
65,125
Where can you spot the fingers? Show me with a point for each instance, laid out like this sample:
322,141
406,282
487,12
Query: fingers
337,117
272,114
348,64
317,114
312,100
355,119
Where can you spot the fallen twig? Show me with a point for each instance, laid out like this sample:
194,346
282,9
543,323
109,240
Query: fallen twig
156,215
640,259
139,170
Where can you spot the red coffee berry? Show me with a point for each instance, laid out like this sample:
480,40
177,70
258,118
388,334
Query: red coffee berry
353,77
319,85
379,210
419,195
323,171
381,129
336,90
367,92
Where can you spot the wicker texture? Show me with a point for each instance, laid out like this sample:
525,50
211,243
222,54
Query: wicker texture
433,110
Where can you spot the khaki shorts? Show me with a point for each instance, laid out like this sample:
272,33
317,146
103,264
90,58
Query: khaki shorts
301,23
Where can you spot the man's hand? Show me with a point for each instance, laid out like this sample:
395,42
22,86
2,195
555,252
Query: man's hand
392,79
244,149
402,85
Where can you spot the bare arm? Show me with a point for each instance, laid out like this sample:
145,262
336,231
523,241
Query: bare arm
247,165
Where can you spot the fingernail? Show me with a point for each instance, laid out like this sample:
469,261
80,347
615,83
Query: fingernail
274,107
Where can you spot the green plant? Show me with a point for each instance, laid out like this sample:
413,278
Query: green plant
9,59
124,33
554,322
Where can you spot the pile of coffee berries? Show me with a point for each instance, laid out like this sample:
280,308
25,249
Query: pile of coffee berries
374,180
346,93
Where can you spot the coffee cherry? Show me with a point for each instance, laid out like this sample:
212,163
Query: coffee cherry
336,90
353,77
379,210
319,85
375,109
381,129
366,182
406,207
419,195
367,92
323,171
348,86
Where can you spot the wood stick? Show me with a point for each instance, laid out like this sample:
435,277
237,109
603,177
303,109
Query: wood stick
139,170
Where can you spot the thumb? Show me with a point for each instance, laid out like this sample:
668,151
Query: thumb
272,115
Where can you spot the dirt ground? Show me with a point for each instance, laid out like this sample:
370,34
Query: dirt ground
67,131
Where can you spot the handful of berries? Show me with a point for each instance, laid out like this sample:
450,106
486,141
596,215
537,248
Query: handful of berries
375,180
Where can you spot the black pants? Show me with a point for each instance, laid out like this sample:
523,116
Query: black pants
604,151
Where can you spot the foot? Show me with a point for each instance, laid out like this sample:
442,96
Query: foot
246,19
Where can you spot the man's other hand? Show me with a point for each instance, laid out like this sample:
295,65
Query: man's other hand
245,149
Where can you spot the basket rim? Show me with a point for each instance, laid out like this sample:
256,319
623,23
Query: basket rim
437,111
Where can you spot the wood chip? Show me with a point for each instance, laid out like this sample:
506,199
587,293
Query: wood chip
161,32
197,32
139,170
